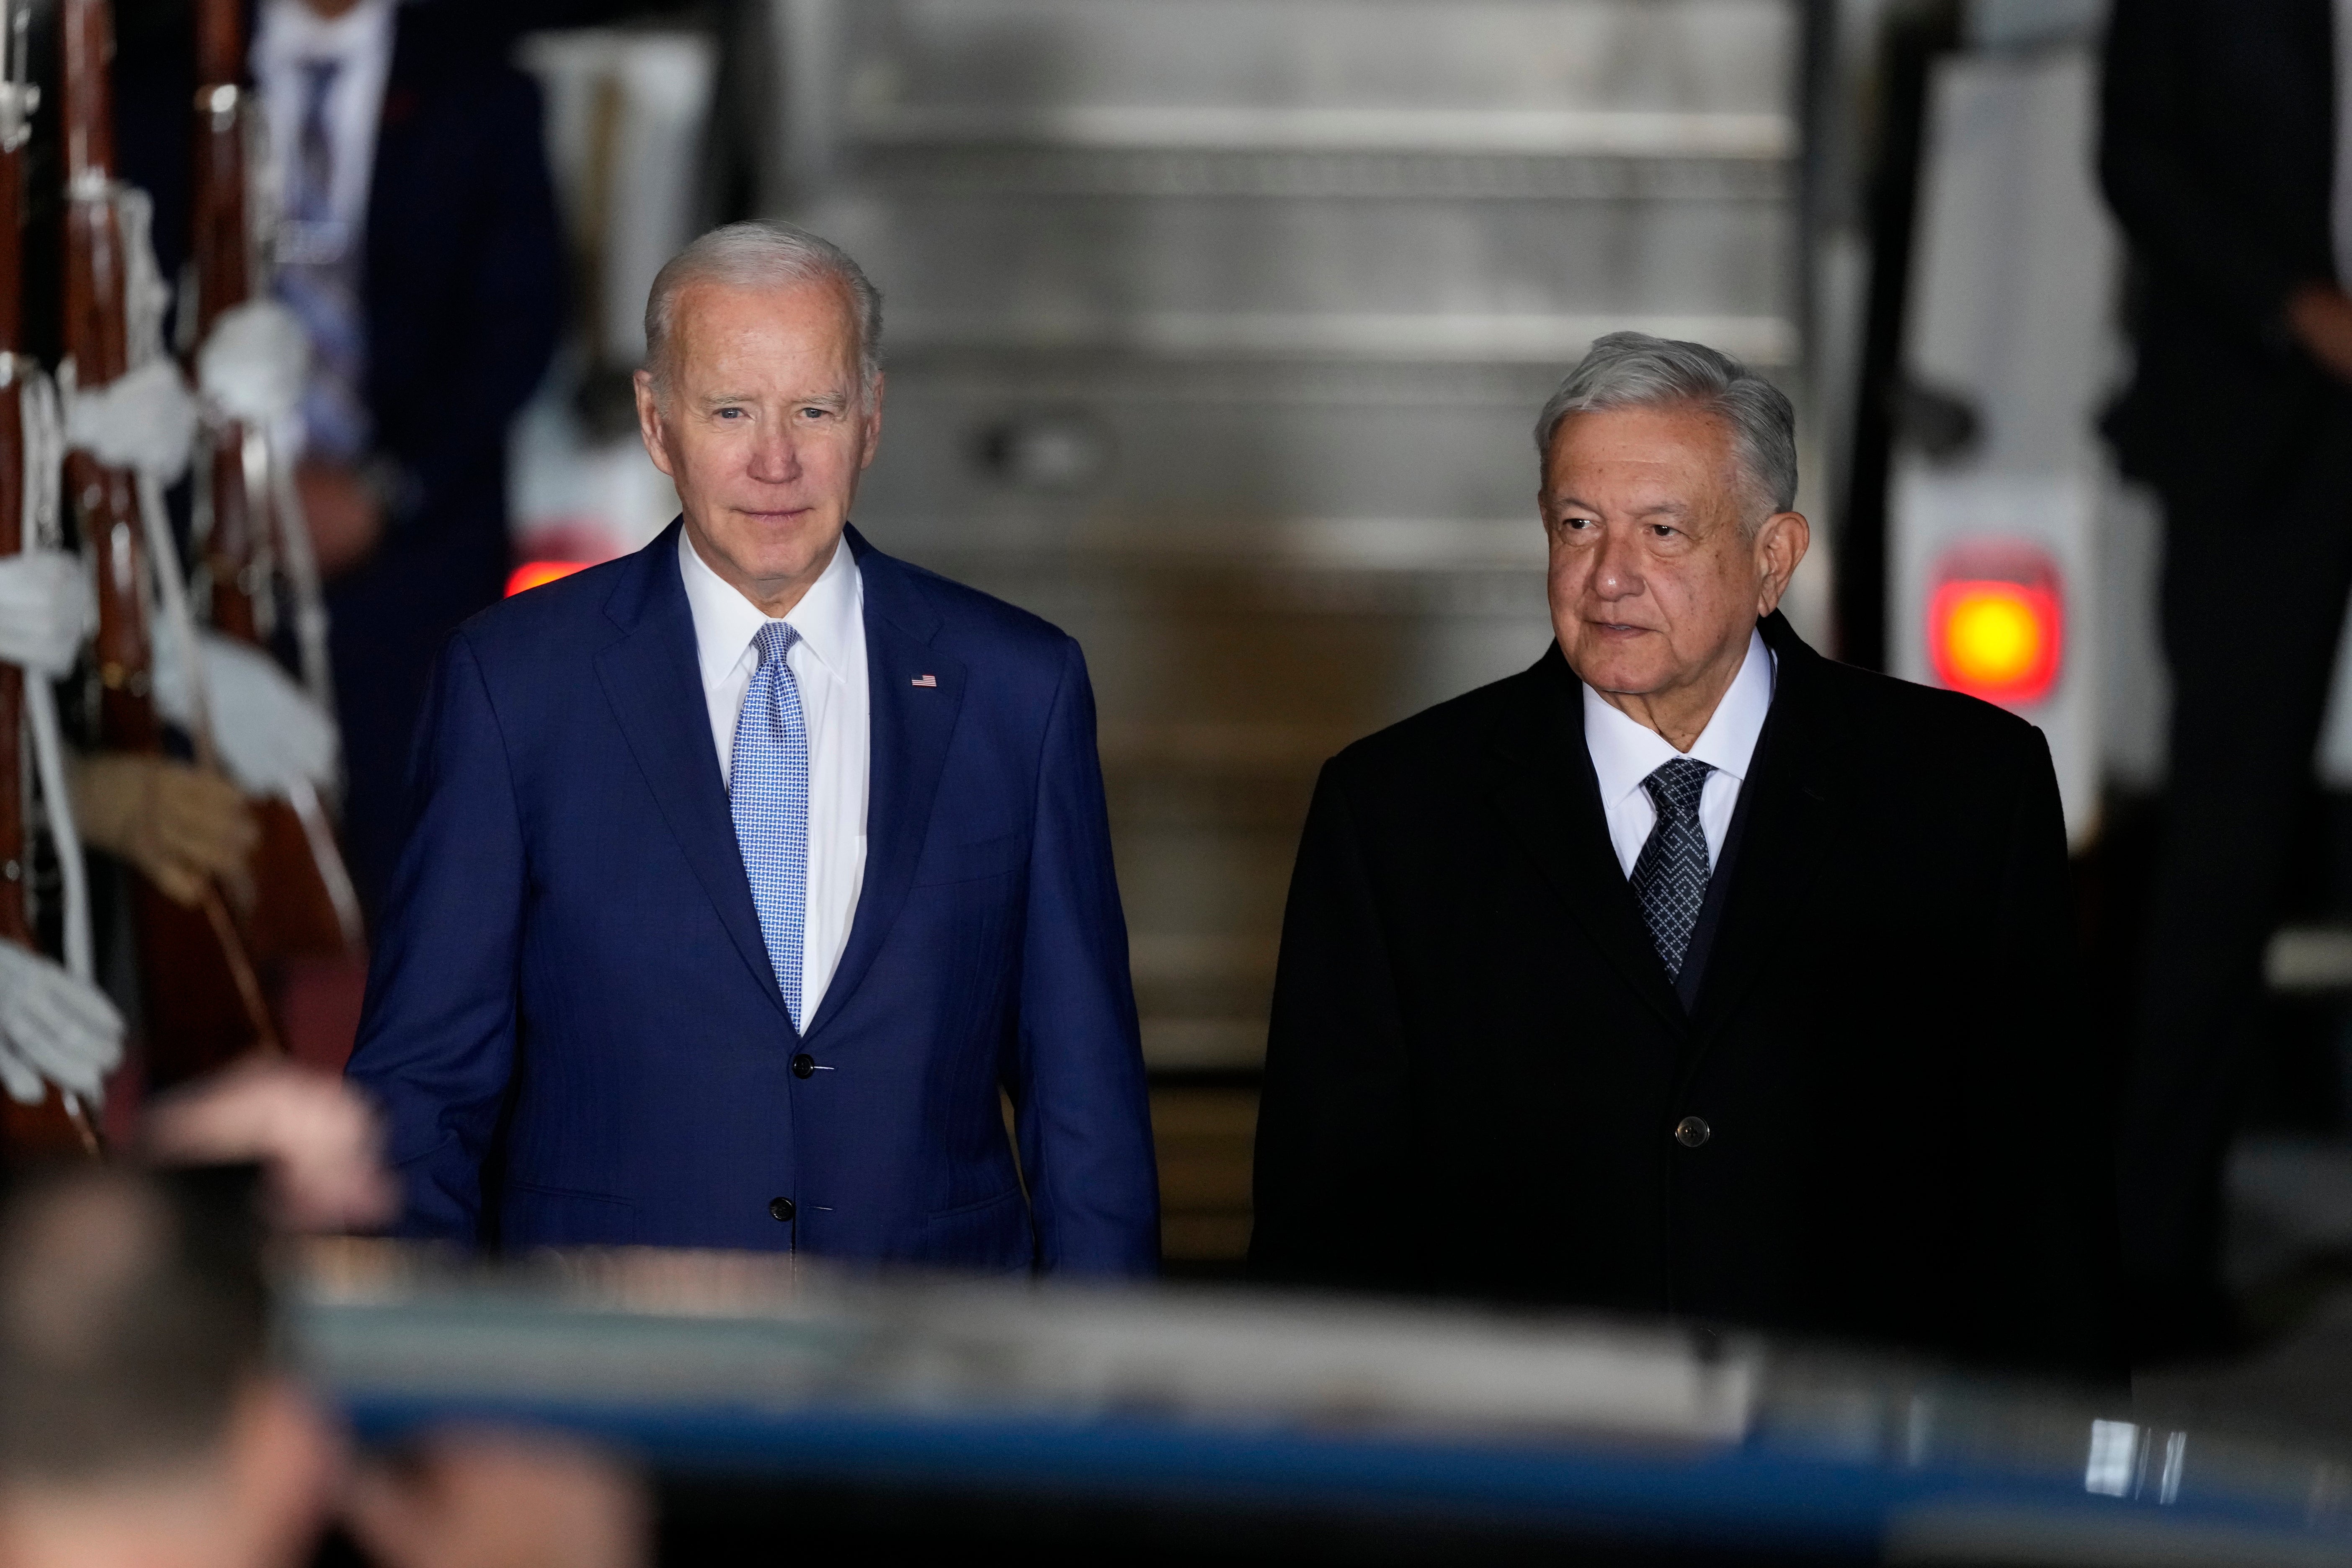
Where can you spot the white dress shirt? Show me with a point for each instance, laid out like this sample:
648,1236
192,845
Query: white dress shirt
1625,752
828,663
291,34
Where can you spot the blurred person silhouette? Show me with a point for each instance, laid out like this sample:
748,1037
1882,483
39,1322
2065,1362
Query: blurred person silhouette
141,1419
419,243
144,1418
1688,972
2227,155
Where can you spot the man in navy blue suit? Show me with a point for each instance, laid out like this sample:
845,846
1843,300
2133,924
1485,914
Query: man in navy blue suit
746,871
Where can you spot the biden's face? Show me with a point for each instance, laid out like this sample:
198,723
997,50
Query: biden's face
1655,582
764,423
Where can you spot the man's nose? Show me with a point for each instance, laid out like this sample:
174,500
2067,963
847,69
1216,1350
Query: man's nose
1616,567
775,456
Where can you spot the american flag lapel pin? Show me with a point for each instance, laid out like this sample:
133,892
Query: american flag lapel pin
925,680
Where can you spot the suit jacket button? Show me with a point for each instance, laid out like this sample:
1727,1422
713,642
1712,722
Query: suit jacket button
1690,1132
804,1064
779,1209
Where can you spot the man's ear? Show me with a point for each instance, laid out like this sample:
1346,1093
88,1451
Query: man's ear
649,425
873,421
1782,541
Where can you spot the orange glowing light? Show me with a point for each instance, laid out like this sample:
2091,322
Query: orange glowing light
532,574
1995,639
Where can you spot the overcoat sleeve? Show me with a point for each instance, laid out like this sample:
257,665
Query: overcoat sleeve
2041,1185
1331,1131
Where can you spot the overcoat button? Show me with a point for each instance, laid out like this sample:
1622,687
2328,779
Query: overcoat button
804,1064
1690,1132
779,1209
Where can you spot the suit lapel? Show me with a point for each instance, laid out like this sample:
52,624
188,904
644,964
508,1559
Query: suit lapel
1551,800
1791,822
911,728
654,681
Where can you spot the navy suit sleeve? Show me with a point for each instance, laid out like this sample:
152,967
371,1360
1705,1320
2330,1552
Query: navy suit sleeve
436,1042
1082,1111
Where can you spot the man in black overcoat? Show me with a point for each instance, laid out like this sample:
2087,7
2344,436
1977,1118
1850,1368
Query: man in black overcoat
1688,971
2219,152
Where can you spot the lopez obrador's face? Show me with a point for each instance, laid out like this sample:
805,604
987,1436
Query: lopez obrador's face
1655,584
764,425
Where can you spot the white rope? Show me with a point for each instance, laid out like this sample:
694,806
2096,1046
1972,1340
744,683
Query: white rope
44,449
49,762
146,297
45,458
179,619
311,622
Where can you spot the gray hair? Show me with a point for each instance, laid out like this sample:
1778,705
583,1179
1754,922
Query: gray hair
1634,370
762,254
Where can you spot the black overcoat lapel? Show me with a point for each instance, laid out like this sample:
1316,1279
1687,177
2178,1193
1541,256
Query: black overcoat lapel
1791,822
1550,801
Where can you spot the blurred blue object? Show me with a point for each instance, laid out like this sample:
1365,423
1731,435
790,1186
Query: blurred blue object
1326,1414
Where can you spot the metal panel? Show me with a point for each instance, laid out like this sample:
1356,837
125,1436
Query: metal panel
1216,329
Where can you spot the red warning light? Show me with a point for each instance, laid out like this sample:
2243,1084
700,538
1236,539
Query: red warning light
1996,624
532,574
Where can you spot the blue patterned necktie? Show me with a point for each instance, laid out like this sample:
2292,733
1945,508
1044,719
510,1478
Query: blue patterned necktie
768,791
319,278
1670,875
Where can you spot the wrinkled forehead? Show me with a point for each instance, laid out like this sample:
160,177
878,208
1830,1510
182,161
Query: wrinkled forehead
799,330
1646,457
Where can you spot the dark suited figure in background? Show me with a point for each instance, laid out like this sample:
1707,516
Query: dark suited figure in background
1688,971
2221,157
419,243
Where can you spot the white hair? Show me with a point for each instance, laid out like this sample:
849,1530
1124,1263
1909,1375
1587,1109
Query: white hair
1634,370
762,254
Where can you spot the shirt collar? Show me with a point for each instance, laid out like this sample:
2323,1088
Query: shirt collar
1625,751
830,613
291,30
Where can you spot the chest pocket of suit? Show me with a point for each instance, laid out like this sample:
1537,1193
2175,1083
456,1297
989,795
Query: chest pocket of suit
944,863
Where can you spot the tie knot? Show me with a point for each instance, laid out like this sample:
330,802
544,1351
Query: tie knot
1674,786
774,640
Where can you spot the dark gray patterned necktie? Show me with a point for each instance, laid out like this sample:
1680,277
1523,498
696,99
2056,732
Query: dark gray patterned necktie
1670,875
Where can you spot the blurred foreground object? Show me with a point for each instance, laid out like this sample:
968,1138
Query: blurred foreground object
181,826
317,1138
865,1416
146,1418
2223,156
59,1034
140,1420
45,610
55,1028
253,359
499,1498
417,244
127,422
